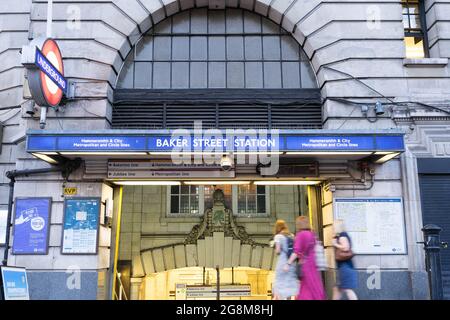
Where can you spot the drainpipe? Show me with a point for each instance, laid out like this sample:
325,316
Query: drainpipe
65,168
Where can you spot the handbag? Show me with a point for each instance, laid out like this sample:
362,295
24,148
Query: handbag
298,269
343,255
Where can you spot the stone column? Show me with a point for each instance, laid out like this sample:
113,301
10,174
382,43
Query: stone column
135,288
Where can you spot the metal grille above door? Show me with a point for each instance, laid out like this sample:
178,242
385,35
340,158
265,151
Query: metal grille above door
170,109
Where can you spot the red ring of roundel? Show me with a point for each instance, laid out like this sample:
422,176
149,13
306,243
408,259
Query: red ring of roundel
52,99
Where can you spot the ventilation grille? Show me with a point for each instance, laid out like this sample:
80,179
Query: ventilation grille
217,116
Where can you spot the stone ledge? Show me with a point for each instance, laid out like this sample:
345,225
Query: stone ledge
426,62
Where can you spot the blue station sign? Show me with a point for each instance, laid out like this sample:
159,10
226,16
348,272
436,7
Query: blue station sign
154,142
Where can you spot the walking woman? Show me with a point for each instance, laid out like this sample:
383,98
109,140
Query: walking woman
286,282
311,287
346,275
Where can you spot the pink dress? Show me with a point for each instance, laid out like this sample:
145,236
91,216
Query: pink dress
311,287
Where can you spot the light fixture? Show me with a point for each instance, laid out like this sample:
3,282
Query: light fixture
200,183
45,158
387,157
147,183
103,153
379,108
286,183
327,153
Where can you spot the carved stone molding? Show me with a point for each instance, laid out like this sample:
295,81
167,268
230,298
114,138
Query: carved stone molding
429,141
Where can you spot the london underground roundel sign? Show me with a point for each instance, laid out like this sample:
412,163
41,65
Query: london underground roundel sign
46,73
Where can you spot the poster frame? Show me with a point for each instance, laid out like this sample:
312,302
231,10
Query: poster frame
47,245
3,242
99,201
405,235
2,287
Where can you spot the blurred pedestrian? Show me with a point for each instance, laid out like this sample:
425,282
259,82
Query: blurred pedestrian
311,286
346,275
286,282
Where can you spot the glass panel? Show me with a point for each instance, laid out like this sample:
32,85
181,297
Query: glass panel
289,48
181,22
251,204
406,22
143,75
216,48
253,75
414,47
164,26
415,22
216,73
272,75
291,74
126,78
180,75
162,48
253,48
174,204
199,75
234,21
184,204
174,189
269,27
242,204
199,22
194,205
261,205
144,49
184,189
198,48
161,75
216,22
413,8
271,45
235,48
307,76
180,47
235,75
261,190
252,23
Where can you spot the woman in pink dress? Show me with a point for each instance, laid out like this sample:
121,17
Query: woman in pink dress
311,287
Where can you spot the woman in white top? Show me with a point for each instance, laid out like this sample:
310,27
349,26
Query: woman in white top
286,284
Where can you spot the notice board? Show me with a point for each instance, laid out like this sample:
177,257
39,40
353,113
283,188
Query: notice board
375,225
81,224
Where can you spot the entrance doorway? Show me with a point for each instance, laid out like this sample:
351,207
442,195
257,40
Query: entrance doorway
173,241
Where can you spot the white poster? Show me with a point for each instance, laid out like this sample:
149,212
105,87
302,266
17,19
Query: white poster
3,224
375,225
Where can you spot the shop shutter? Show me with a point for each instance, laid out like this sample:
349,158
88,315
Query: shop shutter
435,198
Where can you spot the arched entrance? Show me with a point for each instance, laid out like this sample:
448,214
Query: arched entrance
227,68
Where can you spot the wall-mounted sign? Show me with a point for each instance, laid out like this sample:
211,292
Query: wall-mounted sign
193,292
38,142
31,225
45,72
80,226
164,169
70,191
3,226
15,283
375,225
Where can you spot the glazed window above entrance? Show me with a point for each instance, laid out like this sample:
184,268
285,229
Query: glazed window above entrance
414,22
228,68
244,200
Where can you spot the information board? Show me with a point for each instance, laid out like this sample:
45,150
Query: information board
15,283
81,224
31,225
3,224
375,225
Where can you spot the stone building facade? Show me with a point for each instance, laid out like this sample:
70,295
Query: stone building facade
357,52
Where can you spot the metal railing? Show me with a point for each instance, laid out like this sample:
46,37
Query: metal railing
122,295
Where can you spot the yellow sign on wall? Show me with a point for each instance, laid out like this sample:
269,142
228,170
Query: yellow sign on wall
70,191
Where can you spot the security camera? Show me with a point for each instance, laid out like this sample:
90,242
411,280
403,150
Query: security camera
226,163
